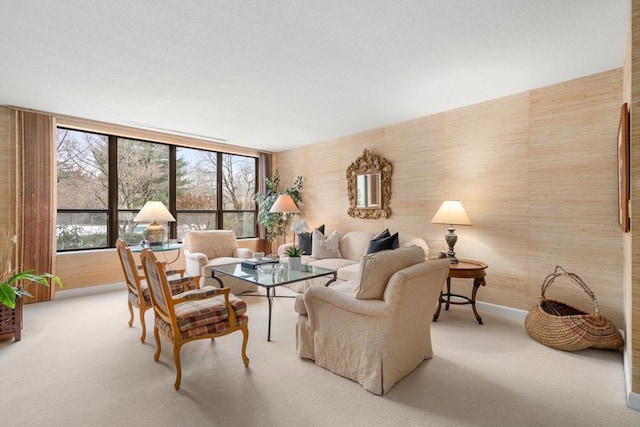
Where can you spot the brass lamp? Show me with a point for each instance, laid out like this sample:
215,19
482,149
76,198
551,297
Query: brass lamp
284,204
451,212
154,212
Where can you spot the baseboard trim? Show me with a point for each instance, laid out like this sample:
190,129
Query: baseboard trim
501,310
633,399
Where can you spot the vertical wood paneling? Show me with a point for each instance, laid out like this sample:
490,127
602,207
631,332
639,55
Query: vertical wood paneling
536,172
37,199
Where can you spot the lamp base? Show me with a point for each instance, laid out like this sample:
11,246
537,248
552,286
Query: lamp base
154,233
451,240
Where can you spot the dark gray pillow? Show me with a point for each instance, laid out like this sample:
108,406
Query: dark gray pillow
383,241
305,240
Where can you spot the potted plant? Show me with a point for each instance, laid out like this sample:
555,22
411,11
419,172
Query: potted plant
11,290
295,257
273,222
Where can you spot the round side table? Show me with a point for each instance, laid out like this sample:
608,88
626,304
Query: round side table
464,269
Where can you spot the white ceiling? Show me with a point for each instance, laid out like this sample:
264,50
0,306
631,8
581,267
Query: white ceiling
273,75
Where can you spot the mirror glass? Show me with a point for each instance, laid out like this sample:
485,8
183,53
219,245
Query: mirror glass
368,190
369,187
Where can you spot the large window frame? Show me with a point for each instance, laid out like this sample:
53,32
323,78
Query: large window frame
113,211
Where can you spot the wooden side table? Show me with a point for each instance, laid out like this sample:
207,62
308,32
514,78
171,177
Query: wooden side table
464,269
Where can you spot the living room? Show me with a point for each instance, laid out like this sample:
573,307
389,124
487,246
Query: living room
536,171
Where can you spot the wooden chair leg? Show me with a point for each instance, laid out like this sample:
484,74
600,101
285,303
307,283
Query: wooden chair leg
143,325
245,340
156,334
130,313
176,360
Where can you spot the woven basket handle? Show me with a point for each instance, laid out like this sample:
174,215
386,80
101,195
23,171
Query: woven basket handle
559,271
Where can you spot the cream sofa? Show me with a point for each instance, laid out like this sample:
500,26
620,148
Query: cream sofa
205,249
352,246
374,330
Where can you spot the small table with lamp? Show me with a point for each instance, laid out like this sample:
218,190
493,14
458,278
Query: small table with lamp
463,269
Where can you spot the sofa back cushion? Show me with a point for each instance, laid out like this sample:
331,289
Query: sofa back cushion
212,243
354,244
376,269
407,240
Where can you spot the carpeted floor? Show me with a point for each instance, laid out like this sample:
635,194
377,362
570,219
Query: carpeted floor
79,364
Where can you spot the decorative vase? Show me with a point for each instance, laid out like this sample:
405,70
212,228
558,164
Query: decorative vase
294,262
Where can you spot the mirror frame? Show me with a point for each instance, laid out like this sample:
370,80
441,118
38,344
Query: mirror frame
368,164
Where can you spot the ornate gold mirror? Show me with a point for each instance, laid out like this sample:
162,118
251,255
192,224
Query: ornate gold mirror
369,187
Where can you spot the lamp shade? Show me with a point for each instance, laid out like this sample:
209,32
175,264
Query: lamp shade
154,211
284,204
451,212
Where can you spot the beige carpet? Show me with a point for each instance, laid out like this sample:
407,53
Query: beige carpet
79,364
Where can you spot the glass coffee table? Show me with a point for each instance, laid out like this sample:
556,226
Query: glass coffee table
270,276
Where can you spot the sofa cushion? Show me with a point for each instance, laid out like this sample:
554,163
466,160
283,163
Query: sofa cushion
305,240
333,263
349,272
325,246
354,244
212,243
376,269
383,241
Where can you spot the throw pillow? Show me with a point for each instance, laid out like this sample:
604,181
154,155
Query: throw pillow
325,247
376,270
305,240
383,241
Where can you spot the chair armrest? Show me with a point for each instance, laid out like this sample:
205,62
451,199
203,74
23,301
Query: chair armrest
202,293
179,271
244,253
282,249
345,302
188,283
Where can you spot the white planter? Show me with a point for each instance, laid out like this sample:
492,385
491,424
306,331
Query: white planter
294,262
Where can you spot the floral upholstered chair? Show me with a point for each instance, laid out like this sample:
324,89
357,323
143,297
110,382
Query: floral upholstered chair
138,292
205,313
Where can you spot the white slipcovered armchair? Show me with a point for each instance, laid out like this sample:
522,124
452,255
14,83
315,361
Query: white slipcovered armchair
205,249
377,329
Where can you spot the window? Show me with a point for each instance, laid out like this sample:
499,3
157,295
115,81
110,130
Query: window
103,181
83,190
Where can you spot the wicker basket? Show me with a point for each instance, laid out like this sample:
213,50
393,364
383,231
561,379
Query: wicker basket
563,327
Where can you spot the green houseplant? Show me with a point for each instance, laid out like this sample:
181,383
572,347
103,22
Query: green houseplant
295,257
273,222
11,279
295,252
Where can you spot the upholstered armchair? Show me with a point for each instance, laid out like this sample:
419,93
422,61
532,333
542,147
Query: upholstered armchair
137,290
204,249
205,313
374,330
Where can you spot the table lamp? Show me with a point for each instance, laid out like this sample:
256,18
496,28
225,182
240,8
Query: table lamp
284,204
451,212
153,212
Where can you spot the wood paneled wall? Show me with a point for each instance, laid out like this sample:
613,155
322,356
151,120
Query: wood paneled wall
535,171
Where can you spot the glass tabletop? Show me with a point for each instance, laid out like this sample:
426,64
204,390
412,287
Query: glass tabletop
269,275
159,248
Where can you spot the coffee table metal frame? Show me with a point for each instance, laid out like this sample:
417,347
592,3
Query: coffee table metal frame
271,281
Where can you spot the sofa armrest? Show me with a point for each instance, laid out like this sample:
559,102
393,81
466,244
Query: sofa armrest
194,261
244,253
282,249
